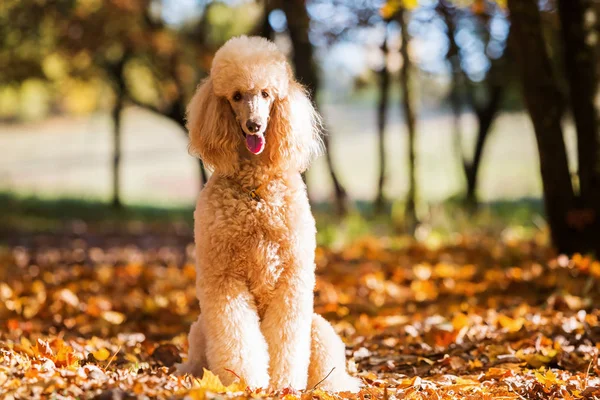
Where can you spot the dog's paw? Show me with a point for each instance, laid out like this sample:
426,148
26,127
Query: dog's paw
189,369
353,384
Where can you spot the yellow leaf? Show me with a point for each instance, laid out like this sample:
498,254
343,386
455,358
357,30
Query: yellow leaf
459,321
27,347
387,11
114,317
511,325
409,382
549,379
131,358
536,360
101,354
473,364
410,4
318,393
197,394
391,7
64,356
211,383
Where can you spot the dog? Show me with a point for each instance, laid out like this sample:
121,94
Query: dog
256,128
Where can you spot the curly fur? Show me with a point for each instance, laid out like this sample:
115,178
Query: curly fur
255,259
246,63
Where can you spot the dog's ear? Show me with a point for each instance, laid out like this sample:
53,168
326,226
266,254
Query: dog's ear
296,127
212,129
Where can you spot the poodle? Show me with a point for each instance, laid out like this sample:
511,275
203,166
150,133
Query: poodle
255,127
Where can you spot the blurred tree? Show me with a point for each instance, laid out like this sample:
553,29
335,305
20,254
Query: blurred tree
264,28
173,69
120,90
126,44
398,11
125,37
185,54
384,94
582,86
335,21
494,85
573,211
298,23
407,104
80,40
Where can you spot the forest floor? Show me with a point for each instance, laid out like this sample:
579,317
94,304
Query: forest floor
105,315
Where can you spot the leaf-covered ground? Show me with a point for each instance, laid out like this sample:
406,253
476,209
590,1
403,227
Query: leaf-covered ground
481,318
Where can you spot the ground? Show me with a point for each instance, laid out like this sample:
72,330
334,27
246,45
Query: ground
101,313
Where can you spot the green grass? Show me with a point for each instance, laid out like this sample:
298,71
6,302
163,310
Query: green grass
43,214
439,222
523,218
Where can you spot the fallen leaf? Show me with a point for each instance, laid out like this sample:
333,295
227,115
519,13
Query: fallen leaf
101,354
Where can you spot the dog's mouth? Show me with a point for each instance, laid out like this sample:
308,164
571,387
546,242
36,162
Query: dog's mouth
255,143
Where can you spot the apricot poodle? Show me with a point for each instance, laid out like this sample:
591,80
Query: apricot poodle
254,125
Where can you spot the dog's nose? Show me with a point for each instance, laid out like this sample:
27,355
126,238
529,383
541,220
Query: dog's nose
253,126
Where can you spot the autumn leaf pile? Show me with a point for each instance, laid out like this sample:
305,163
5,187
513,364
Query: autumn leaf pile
478,318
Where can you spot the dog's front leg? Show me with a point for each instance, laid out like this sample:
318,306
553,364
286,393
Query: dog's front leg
286,327
235,344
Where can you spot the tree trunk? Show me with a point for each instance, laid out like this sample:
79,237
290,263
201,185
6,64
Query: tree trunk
177,114
582,84
306,72
120,88
117,113
448,13
408,110
265,29
485,114
177,110
543,100
579,61
458,80
485,118
384,90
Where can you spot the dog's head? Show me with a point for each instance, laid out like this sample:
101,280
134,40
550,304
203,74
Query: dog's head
250,107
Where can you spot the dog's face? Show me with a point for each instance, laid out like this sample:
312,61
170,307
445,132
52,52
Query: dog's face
252,109
249,99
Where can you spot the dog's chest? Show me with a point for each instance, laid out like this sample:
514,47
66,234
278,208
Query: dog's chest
263,279
272,239
256,239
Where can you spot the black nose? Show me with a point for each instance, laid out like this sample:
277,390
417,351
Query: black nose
252,126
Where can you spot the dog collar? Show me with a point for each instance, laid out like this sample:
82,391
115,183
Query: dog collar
254,194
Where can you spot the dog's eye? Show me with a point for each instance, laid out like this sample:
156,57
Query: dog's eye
265,94
237,96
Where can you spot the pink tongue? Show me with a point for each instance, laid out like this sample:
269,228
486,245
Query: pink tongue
255,143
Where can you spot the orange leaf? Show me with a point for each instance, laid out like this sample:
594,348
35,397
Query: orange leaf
511,325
